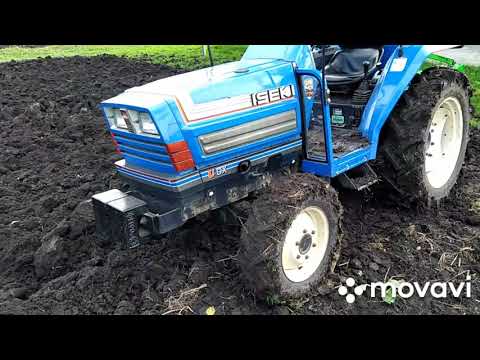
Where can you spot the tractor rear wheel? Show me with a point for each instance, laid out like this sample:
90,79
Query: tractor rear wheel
289,236
423,146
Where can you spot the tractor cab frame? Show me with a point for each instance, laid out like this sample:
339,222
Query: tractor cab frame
345,145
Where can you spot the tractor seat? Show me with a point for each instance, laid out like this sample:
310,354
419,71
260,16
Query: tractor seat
346,66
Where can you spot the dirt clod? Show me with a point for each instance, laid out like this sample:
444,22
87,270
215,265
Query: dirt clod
19,293
124,308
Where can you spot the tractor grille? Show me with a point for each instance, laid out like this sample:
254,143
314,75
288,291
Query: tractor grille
145,153
247,133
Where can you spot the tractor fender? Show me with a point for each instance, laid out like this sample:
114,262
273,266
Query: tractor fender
396,78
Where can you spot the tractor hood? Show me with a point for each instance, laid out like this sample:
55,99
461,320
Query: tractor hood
253,73
203,86
211,83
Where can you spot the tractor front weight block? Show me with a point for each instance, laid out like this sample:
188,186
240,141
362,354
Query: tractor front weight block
117,216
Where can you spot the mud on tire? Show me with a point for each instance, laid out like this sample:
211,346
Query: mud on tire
265,229
405,140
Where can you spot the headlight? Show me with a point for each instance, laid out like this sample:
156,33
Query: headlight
146,124
115,119
121,119
137,122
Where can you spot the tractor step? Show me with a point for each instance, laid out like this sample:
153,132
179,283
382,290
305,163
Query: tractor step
345,141
359,178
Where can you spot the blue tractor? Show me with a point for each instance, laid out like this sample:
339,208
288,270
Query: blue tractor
270,132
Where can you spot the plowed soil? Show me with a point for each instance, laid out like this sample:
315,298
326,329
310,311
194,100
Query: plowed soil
55,153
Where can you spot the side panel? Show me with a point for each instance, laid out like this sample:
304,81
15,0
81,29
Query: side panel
251,139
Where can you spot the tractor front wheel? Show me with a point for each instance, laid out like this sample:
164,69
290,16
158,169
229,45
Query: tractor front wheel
289,236
424,144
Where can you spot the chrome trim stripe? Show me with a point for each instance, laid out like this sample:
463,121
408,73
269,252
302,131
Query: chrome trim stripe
248,127
249,132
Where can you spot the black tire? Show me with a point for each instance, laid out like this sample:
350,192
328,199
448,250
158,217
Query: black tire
405,138
264,231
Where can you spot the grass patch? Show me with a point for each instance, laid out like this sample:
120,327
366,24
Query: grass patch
179,56
473,73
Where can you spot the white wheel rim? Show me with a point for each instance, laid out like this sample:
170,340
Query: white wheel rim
445,142
305,244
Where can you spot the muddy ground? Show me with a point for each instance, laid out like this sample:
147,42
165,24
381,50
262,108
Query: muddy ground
55,153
